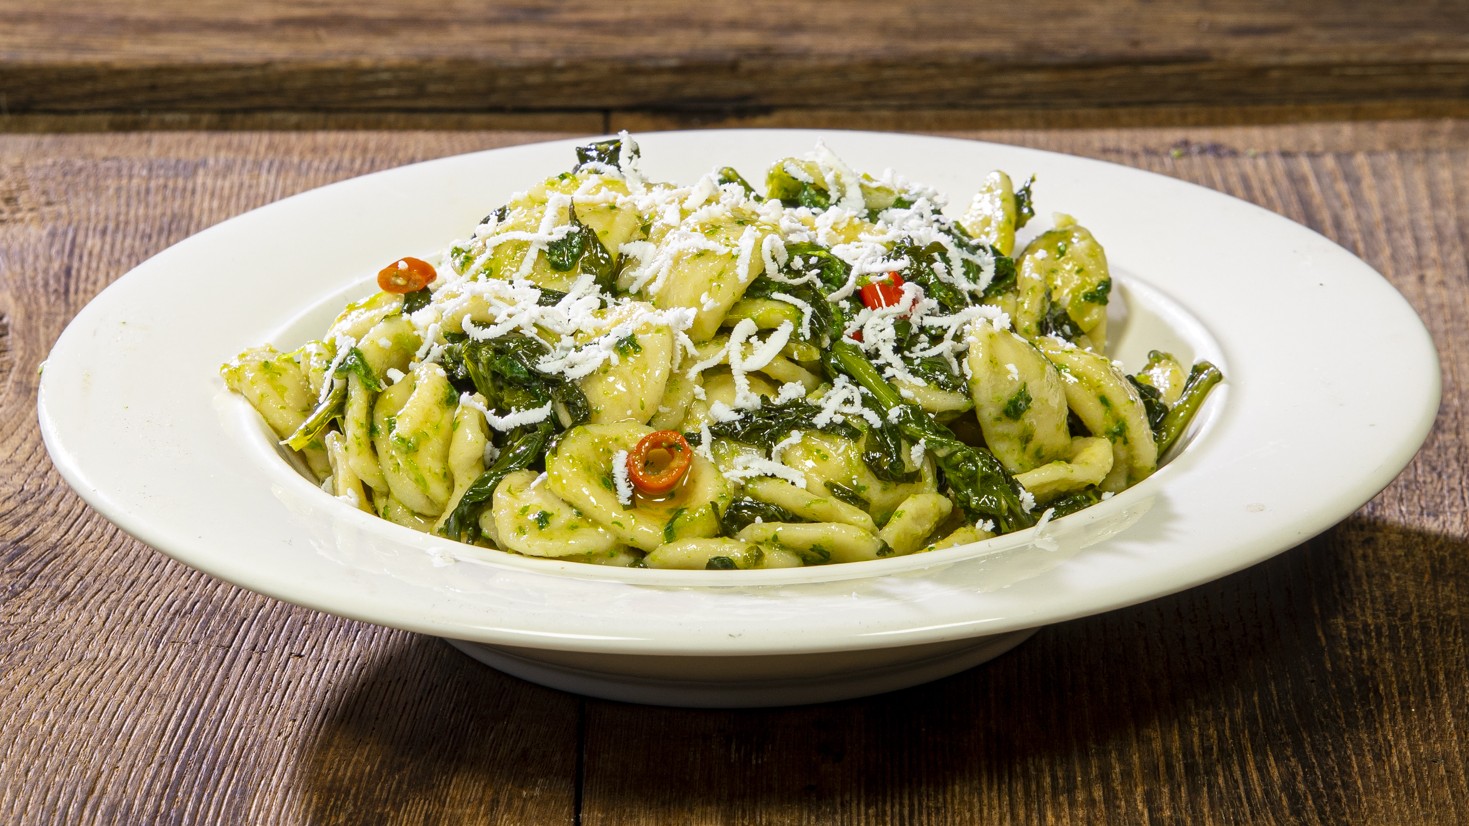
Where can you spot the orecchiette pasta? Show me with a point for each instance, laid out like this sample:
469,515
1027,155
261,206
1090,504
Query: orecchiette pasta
615,371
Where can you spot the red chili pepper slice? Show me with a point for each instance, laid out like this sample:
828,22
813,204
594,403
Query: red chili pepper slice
406,275
883,294
659,462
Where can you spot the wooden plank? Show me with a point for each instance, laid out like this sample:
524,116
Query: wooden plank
574,123
655,55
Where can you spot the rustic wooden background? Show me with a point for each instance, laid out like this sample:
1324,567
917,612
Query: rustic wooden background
1326,686
583,55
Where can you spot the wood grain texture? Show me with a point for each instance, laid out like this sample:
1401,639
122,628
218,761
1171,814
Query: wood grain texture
1325,686
457,55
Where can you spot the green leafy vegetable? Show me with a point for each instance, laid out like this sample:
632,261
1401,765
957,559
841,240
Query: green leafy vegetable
846,494
581,246
1024,203
781,185
766,426
883,451
504,371
1071,503
607,152
936,371
1201,379
549,297
744,511
728,175
670,528
1153,403
627,346
805,257
355,363
1098,294
1004,277
416,300
523,447
1017,404
330,407
975,478
1057,322
823,317
921,271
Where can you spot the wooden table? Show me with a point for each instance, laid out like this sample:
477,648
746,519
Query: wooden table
1327,685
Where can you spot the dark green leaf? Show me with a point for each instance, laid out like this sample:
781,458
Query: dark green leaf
498,216
936,371
1004,278
1074,502
627,346
416,300
1024,203
670,528
1057,322
524,446
823,318
804,257
743,512
921,271
607,152
1017,404
549,297
973,476
843,493
1152,402
565,252
504,371
355,363
581,246
772,422
1099,293
883,450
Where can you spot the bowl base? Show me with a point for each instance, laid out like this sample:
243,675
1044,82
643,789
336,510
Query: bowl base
743,682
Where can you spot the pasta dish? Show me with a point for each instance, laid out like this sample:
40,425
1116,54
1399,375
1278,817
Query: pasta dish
711,375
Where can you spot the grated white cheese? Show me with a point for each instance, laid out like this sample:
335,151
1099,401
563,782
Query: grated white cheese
748,466
762,355
841,180
917,452
1027,499
509,421
343,344
619,478
1043,540
706,439
843,398
722,413
780,447
789,392
805,308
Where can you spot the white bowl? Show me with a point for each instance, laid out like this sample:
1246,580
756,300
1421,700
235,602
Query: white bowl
1332,385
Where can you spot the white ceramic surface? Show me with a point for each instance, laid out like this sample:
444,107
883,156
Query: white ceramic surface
1332,385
